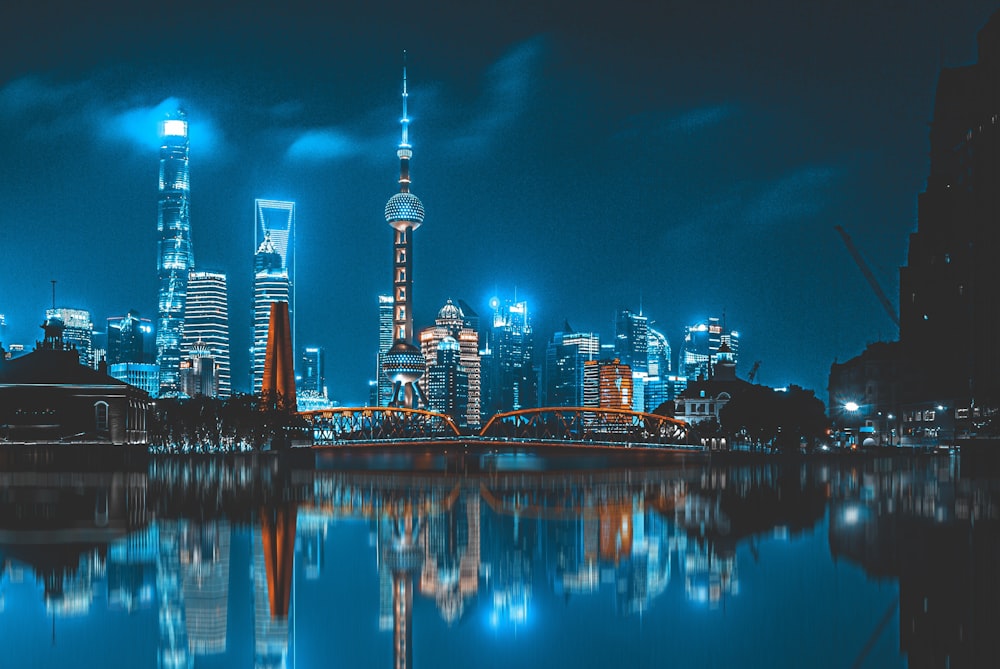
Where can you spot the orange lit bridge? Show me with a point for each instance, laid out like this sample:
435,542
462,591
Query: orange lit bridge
547,425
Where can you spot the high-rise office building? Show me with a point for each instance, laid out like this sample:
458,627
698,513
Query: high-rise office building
701,344
130,339
607,384
658,354
513,382
175,256
270,284
950,286
451,323
78,331
565,356
383,385
403,363
448,382
632,339
275,220
206,323
199,372
310,376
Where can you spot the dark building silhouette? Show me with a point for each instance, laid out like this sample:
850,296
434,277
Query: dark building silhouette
950,286
48,396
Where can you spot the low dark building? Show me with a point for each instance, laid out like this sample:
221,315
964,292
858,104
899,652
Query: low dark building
48,396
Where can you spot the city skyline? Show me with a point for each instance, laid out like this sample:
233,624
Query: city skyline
710,176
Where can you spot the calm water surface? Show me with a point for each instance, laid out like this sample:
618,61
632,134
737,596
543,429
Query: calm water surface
487,560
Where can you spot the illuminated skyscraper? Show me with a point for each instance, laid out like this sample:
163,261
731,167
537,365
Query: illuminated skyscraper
275,220
451,322
206,320
563,371
384,384
270,284
175,257
130,339
701,344
79,331
403,364
632,340
607,384
513,384
448,382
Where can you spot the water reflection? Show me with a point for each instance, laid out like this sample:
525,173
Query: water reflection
256,561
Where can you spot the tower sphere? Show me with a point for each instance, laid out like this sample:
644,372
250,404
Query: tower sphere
403,363
404,210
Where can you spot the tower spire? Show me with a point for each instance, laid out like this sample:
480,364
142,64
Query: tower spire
405,151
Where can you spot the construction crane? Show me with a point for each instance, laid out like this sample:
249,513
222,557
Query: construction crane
753,371
863,266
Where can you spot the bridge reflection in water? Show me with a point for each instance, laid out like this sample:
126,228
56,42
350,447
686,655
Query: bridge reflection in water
568,426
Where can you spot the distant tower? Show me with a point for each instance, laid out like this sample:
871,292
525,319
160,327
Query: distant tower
632,340
452,323
564,366
403,364
206,322
275,220
270,284
175,257
385,339
78,331
513,384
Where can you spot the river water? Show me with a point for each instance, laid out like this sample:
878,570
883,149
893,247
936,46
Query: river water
496,560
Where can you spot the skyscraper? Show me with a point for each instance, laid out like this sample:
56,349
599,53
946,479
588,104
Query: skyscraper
950,286
403,364
448,382
632,339
206,321
701,344
270,284
383,384
513,383
78,331
564,360
310,376
275,219
130,339
175,257
607,384
451,323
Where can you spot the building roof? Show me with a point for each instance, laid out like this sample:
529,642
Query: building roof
45,366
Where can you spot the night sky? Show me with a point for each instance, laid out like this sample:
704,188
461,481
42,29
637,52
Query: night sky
685,158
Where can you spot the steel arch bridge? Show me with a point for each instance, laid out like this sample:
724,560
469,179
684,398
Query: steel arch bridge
587,424
372,424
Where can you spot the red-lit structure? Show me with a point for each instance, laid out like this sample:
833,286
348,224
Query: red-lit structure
278,384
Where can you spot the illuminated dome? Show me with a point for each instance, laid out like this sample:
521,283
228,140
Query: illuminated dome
448,344
450,312
404,207
403,363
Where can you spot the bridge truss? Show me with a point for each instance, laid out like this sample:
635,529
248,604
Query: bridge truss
373,424
587,424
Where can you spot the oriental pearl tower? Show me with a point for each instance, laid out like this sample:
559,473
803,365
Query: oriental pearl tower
403,364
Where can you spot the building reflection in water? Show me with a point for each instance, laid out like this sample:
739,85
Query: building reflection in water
488,541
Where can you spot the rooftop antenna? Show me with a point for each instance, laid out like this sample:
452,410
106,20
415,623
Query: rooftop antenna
53,294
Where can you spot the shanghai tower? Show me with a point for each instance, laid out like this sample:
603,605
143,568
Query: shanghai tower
174,254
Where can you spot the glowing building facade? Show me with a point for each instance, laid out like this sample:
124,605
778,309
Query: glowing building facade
206,324
403,364
270,284
513,384
701,344
632,340
607,384
452,324
78,331
383,387
563,371
175,256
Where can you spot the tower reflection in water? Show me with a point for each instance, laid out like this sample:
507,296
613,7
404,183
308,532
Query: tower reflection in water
160,543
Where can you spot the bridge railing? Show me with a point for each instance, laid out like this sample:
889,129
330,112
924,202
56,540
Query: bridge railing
360,424
587,424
